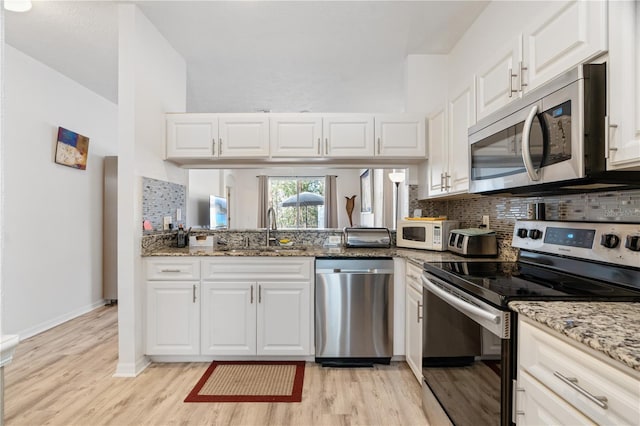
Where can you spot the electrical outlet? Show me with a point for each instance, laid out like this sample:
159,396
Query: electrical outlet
485,221
178,215
166,222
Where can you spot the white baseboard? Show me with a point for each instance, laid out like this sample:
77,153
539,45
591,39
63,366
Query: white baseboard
47,325
130,369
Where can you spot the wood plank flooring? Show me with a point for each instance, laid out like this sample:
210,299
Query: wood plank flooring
64,377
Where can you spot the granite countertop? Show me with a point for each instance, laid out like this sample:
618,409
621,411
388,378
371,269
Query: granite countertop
416,256
612,328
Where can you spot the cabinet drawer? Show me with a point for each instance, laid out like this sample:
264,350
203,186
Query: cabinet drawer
413,276
172,269
258,268
549,358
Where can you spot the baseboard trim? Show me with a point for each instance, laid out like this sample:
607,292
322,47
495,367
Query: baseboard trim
132,369
48,325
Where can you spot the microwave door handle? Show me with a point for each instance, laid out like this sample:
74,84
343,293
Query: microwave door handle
534,175
453,300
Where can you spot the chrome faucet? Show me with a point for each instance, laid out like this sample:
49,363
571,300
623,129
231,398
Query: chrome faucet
271,225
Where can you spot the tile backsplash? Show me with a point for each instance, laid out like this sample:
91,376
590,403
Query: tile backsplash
160,198
615,206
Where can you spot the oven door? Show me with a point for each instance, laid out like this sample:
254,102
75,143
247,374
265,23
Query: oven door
467,355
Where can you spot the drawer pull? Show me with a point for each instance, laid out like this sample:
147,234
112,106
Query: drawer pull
418,312
600,401
170,270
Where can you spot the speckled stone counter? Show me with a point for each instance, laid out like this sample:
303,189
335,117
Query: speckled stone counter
416,256
612,328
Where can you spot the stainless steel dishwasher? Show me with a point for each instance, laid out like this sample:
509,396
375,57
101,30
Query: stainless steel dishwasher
354,310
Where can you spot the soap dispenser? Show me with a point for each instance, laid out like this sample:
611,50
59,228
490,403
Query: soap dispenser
182,237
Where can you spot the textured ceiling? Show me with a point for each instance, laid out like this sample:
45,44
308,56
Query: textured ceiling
245,55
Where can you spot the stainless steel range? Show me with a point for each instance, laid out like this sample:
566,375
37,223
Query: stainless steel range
469,332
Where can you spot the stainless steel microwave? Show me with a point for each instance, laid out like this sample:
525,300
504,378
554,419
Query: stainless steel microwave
553,140
425,234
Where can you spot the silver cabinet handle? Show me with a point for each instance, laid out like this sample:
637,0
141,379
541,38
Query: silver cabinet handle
526,149
418,312
511,75
219,147
522,68
259,293
319,146
194,293
170,270
600,401
251,299
441,181
447,185
213,147
326,146
378,145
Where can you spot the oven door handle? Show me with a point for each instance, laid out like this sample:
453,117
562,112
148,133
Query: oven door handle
526,145
461,304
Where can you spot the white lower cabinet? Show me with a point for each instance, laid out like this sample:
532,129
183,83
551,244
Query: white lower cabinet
228,321
413,320
241,306
246,315
562,382
173,318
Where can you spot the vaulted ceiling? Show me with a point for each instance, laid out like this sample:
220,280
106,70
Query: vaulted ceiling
234,49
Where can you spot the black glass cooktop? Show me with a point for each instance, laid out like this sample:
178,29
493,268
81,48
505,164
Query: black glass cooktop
500,282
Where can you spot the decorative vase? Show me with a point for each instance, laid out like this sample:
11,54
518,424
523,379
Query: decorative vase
350,205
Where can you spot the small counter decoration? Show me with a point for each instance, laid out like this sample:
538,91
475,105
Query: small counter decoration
350,205
72,149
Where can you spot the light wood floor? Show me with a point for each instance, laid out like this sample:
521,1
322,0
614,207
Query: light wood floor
63,377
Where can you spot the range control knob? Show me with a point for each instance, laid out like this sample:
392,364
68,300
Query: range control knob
521,232
609,240
633,242
535,234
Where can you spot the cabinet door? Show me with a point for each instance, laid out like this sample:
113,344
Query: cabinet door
537,405
565,34
400,135
349,135
243,135
296,135
228,319
191,135
284,318
461,116
624,85
173,312
437,152
497,81
413,326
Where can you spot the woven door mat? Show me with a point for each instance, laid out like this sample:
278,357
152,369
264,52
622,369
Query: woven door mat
250,381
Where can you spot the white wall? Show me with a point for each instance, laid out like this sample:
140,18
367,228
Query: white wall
425,82
53,239
151,81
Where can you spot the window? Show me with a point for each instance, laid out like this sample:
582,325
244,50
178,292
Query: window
297,201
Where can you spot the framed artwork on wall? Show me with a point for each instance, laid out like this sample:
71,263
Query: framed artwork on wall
366,191
72,149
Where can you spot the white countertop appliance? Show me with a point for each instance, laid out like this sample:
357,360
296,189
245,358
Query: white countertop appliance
424,234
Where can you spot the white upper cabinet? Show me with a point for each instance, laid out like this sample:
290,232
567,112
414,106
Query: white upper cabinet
449,144
498,80
192,135
438,149
565,34
462,115
624,85
348,135
243,135
296,135
400,135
